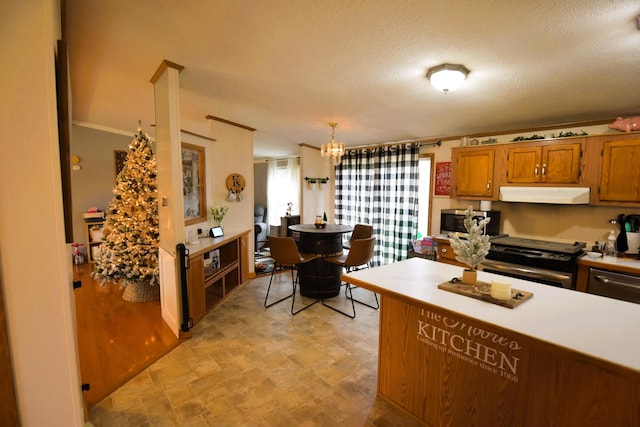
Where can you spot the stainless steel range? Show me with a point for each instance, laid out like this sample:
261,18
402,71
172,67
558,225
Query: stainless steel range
551,263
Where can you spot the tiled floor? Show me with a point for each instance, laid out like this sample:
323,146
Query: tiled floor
251,366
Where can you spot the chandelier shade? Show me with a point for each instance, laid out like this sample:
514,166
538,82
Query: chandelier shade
333,150
447,77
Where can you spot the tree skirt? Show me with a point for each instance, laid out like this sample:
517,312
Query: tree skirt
141,292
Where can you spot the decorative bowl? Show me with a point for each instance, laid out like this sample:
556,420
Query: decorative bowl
594,254
321,225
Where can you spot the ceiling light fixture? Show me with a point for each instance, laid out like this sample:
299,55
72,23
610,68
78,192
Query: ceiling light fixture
447,77
333,151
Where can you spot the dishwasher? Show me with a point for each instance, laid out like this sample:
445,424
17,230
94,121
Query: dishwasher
610,284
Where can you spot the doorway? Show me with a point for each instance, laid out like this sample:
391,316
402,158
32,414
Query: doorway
425,169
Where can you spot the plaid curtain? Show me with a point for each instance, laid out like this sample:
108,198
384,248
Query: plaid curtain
379,186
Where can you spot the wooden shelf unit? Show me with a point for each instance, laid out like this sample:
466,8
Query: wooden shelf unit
216,268
285,222
92,241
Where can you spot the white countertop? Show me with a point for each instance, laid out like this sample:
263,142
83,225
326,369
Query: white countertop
600,327
204,244
612,263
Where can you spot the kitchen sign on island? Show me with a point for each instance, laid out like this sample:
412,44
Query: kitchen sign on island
448,359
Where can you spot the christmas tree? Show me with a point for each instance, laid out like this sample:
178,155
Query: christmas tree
129,250
474,247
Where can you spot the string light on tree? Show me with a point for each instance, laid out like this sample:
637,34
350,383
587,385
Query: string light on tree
129,251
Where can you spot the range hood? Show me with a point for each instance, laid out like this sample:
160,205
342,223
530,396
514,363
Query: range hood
553,195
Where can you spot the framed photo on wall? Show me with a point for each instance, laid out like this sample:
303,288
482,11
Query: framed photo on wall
442,185
193,184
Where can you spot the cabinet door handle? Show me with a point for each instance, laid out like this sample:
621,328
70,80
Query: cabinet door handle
443,250
488,185
612,282
544,169
535,170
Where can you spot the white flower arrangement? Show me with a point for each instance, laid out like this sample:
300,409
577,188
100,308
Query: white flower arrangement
218,213
474,247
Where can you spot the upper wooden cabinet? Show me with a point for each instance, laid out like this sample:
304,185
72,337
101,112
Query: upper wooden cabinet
472,174
620,174
609,164
545,162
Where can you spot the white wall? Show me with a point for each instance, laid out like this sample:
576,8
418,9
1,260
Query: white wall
316,199
260,173
93,184
232,153
35,262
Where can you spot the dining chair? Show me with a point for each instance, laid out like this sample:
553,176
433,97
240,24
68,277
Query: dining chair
285,254
360,231
358,257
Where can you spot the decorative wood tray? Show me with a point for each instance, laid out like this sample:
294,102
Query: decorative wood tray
481,291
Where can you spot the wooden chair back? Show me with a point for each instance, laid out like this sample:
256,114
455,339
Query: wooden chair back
284,250
361,252
361,231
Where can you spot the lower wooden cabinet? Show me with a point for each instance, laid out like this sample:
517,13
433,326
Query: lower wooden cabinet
445,252
216,268
197,306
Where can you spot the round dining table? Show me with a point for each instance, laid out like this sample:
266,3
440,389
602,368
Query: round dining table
318,278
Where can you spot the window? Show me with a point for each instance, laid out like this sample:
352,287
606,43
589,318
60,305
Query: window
283,187
425,172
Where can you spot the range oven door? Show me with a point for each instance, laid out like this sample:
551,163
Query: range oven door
559,279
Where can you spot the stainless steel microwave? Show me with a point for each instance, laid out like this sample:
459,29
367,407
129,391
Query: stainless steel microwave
452,221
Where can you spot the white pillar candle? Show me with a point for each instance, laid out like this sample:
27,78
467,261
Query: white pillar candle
501,290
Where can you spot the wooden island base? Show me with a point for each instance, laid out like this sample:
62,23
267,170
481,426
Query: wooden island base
447,368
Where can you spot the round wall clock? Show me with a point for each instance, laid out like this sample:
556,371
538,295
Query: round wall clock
235,183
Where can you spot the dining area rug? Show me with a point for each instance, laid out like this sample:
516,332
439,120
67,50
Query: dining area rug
263,262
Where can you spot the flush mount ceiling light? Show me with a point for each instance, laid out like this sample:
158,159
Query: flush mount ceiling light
333,151
447,77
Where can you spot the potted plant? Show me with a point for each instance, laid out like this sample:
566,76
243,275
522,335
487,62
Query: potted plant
218,214
472,247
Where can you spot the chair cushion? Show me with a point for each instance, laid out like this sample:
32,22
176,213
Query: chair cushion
259,212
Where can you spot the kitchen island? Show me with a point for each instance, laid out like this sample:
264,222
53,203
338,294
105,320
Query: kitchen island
561,358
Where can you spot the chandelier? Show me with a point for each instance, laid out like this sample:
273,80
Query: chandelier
333,151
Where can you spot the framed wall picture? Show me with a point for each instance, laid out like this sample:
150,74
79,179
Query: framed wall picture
442,186
193,184
120,158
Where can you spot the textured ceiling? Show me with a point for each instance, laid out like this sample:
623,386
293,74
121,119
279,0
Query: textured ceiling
287,68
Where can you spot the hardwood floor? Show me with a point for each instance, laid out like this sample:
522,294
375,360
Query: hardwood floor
117,339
